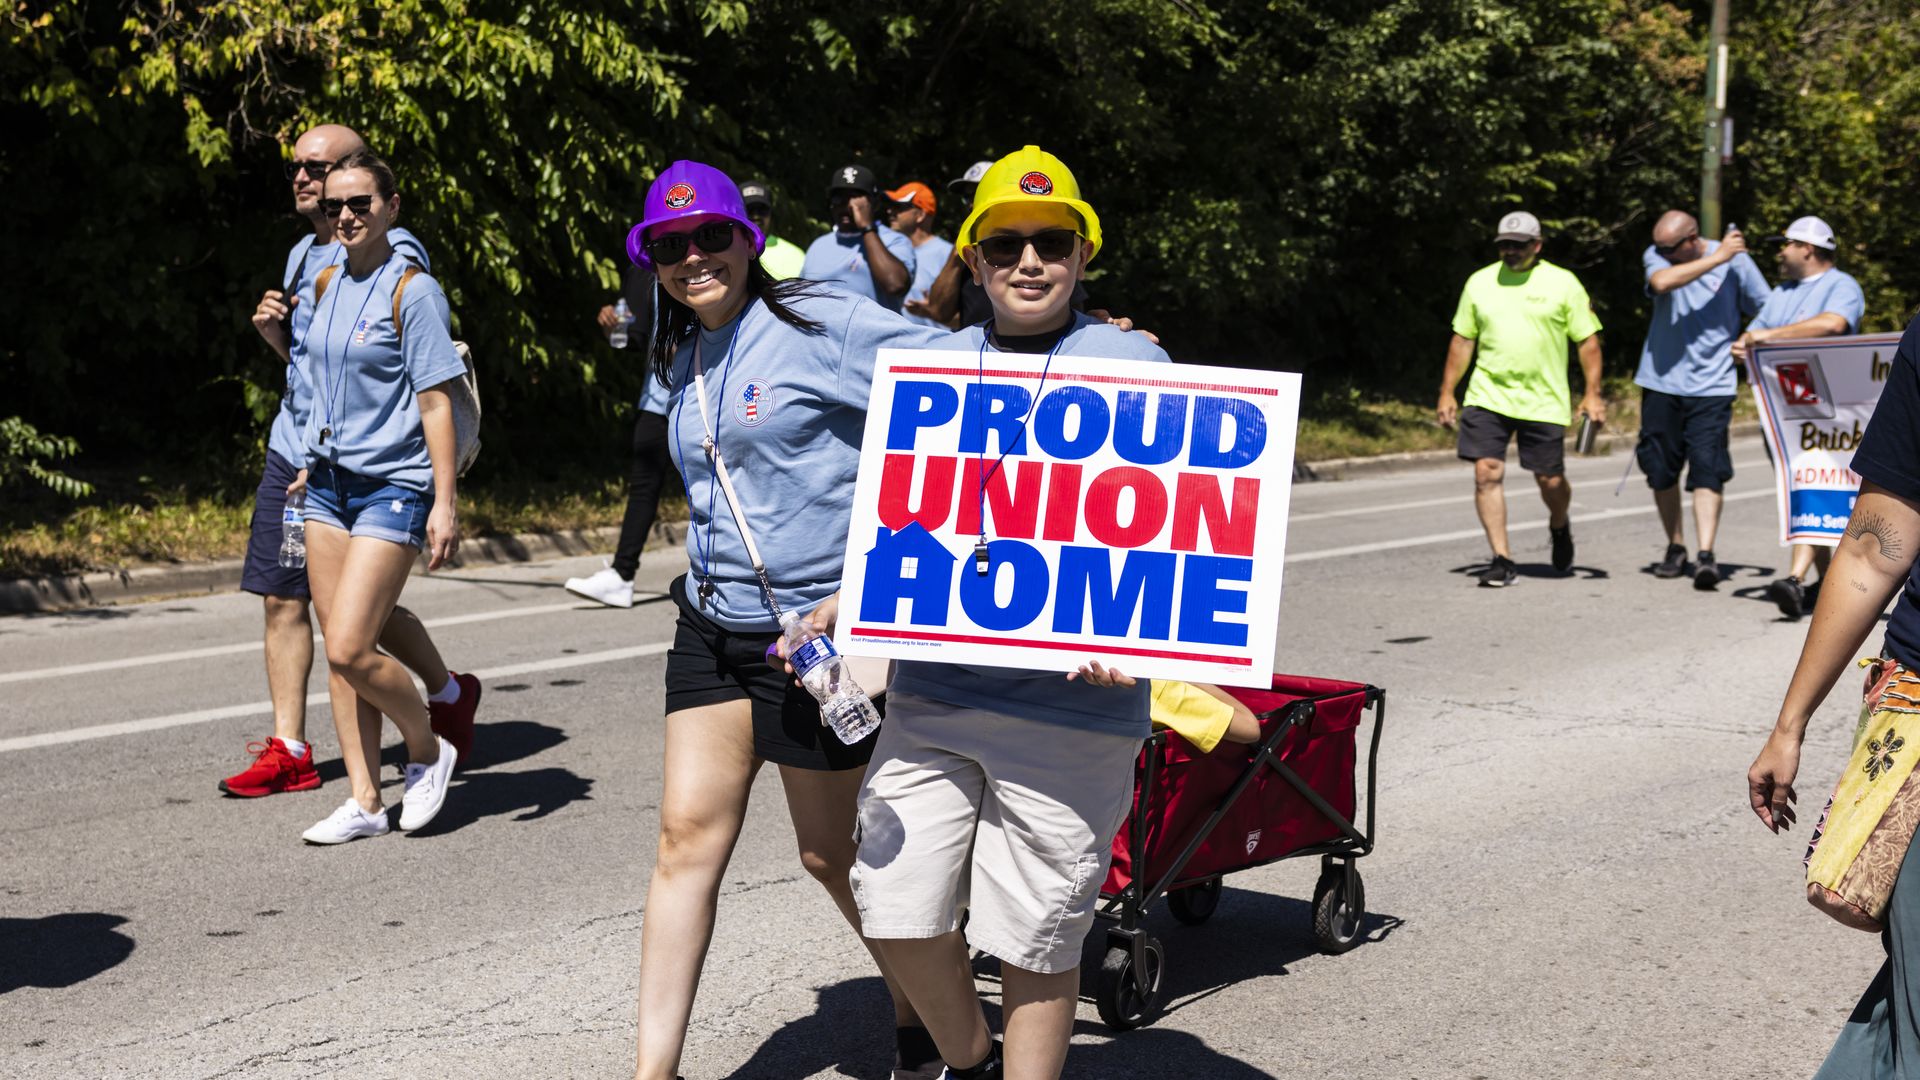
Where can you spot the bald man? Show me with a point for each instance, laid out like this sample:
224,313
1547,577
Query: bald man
285,761
1702,290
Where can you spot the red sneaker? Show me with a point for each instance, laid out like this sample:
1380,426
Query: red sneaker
274,769
454,722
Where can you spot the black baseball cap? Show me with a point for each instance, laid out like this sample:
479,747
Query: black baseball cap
853,178
756,193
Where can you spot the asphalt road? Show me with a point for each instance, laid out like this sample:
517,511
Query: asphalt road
1567,883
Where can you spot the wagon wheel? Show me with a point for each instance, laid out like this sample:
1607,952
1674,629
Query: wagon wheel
1195,904
1336,914
1129,998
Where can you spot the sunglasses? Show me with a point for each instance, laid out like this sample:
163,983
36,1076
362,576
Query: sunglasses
361,205
1006,249
315,170
1667,250
668,248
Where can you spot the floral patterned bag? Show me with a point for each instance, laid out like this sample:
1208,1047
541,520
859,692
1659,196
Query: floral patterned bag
1863,834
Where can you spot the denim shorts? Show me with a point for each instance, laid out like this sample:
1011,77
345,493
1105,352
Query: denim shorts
367,506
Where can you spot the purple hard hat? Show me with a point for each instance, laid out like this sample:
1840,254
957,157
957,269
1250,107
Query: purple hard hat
690,189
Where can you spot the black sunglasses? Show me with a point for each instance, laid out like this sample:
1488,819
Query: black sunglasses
315,170
1006,249
668,248
1666,250
361,205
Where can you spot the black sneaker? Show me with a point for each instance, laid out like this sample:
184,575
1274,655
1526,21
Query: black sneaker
1562,547
1499,573
1789,596
1706,572
1674,564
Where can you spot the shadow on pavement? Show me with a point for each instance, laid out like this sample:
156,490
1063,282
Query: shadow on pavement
850,1033
1538,570
527,795
494,744
58,951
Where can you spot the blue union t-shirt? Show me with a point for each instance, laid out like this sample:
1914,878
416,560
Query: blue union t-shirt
1044,696
304,263
1797,301
1889,456
367,377
929,259
840,260
1689,346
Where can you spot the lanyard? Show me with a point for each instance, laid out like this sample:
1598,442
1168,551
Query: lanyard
981,558
327,394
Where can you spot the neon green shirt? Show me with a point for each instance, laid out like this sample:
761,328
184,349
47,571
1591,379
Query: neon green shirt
782,259
1522,323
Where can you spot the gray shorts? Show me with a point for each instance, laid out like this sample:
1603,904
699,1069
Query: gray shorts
1010,820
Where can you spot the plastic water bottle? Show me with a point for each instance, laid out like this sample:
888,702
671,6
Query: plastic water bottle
843,705
618,338
293,531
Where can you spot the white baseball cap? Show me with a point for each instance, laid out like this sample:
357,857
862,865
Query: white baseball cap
1518,225
1809,230
972,176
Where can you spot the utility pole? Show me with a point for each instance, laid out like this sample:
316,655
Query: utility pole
1716,151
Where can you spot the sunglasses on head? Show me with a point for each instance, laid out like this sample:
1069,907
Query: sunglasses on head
668,248
1667,250
315,170
1006,249
361,205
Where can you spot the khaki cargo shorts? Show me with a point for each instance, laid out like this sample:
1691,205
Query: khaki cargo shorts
1011,820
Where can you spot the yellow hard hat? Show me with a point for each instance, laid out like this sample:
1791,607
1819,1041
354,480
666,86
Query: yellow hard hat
1030,175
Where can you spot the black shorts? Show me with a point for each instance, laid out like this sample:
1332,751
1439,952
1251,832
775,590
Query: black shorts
710,664
1484,434
263,575
1692,431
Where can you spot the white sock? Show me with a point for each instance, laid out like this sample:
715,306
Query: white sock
448,694
295,747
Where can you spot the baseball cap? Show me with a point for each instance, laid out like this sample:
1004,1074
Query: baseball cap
1809,230
756,193
852,178
1518,225
913,193
972,176
1030,175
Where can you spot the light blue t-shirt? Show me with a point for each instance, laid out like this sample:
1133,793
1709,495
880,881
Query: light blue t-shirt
366,379
1045,696
930,258
655,398
304,263
840,260
1798,301
789,410
1689,346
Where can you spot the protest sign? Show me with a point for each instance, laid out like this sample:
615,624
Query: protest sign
1133,513
1815,398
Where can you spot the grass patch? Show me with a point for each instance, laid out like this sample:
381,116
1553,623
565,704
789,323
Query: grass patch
1350,427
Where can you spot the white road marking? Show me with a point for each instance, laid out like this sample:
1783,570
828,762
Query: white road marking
254,646
1471,534
202,716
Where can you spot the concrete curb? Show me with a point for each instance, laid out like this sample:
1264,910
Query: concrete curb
132,584
1384,464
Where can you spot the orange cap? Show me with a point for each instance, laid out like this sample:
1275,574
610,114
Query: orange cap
917,193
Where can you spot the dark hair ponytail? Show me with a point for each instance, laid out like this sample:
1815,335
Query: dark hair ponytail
675,322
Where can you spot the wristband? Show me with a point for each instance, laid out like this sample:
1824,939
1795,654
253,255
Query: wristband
871,228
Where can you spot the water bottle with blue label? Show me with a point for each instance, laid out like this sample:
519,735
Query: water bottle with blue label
293,531
843,705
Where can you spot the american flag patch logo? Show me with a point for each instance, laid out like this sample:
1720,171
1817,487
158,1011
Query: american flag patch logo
754,404
360,331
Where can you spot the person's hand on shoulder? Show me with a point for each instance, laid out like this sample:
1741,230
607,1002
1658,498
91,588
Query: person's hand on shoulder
1121,322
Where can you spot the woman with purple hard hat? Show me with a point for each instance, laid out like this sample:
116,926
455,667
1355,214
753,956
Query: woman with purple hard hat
786,368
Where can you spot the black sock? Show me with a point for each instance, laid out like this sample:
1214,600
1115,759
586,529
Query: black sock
913,1047
988,1066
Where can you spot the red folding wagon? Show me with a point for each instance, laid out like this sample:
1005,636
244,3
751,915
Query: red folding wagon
1199,816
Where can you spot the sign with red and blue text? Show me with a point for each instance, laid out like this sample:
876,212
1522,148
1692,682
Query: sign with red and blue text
1010,513
1815,397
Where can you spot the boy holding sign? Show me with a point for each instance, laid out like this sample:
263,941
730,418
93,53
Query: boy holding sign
998,790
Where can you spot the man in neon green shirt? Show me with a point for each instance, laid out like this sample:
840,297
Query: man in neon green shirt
1520,312
781,258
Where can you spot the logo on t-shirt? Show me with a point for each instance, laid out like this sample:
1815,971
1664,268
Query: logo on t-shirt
1253,840
360,331
679,195
754,404
1036,183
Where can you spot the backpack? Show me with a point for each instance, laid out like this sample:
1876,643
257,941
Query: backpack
463,392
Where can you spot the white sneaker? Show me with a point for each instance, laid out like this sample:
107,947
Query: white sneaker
426,788
347,823
605,586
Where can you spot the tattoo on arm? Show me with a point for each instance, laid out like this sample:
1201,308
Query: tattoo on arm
1881,530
